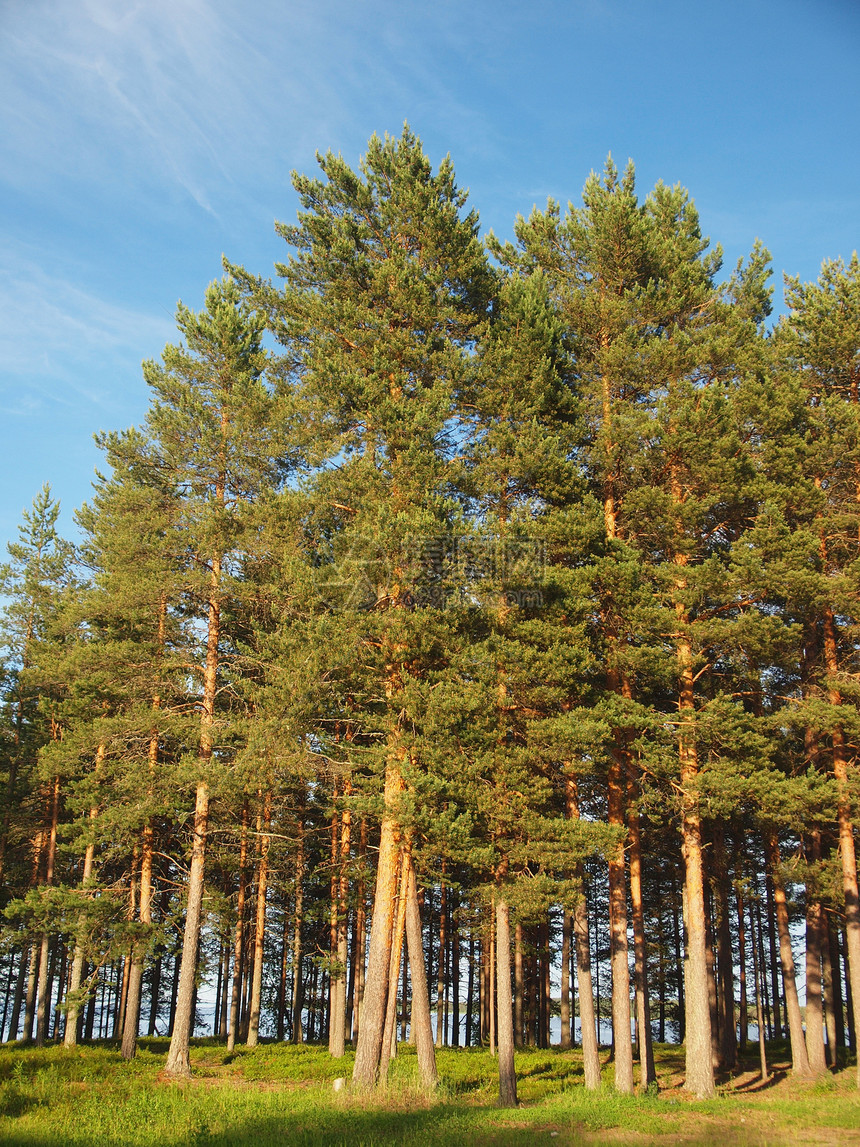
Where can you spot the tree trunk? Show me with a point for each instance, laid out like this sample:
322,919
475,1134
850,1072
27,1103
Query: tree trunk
491,982
389,1030
455,972
132,1018
19,992
742,970
296,1034
135,977
759,977
223,959
155,992
697,1017
847,851
618,957
679,966
70,1037
564,1008
367,1056
852,1030
647,1071
33,967
799,1060
712,979
765,997
62,990
282,982
483,1015
43,980
90,1018
224,1005
337,1029
404,998
178,1063
360,929
41,991
260,924
582,945
440,963
7,995
728,1048
831,1017
543,1026
422,1028
125,960
519,985
507,1072
531,994
814,995
774,960
470,990
239,935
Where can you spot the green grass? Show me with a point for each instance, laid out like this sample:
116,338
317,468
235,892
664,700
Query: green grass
277,1094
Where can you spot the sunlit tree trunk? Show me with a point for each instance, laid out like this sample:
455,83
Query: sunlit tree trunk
564,1005
814,995
422,1028
582,944
507,1072
697,1025
43,978
759,978
389,1030
799,1059
298,920
337,1027
239,935
647,1071
70,1036
368,1053
728,1047
260,925
847,852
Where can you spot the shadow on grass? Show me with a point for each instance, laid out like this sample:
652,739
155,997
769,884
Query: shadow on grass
757,1085
448,1126
14,1102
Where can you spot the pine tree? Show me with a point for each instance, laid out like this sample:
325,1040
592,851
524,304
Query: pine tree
212,436
654,342
383,297
32,580
35,580
821,338
520,651
130,660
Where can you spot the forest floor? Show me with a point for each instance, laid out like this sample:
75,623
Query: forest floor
278,1094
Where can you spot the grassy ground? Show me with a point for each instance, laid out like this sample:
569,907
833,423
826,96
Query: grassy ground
278,1094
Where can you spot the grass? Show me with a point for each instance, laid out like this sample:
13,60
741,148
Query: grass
277,1094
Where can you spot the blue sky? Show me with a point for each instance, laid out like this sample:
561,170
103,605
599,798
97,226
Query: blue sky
140,140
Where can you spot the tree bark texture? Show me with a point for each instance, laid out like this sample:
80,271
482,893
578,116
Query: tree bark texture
367,1056
260,923
507,1072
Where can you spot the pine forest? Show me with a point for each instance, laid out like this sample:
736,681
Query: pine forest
463,652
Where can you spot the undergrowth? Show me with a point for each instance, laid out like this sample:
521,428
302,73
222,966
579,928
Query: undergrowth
276,1094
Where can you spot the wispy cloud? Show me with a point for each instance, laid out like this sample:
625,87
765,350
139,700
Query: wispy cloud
61,344
141,92
198,94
